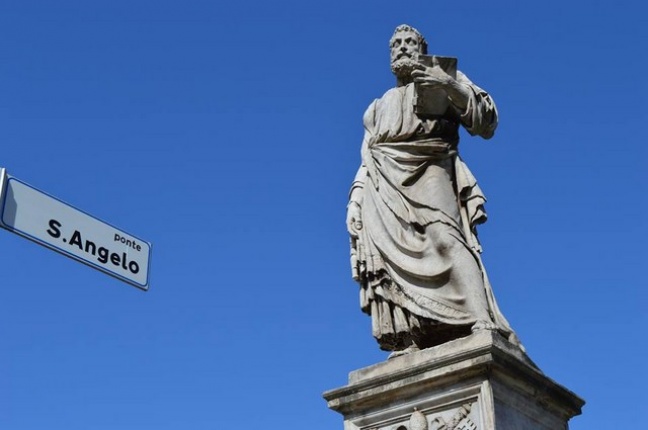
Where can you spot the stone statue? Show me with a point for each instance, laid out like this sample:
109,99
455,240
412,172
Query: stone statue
414,206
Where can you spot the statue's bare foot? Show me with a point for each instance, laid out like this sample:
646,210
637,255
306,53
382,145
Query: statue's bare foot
483,325
412,348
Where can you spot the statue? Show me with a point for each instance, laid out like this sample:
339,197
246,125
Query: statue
414,206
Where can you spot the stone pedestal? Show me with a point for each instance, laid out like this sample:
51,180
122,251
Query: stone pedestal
480,382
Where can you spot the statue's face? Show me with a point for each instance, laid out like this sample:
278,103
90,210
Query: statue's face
404,44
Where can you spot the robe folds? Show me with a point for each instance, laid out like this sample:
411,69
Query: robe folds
416,256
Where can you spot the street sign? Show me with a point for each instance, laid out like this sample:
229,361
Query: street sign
54,224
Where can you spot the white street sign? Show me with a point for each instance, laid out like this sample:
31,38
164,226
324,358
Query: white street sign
50,222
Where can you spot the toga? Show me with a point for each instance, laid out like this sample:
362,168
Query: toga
416,256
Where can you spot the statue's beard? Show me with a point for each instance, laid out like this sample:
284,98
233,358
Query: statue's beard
403,68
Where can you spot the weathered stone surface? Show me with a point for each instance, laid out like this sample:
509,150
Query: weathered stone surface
413,211
414,205
478,382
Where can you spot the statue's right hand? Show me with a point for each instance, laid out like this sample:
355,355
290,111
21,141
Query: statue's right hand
434,77
354,219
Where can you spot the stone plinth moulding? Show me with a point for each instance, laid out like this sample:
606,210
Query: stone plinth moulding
480,382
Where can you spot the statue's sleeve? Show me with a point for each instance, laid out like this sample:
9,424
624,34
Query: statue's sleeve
480,116
369,120
355,194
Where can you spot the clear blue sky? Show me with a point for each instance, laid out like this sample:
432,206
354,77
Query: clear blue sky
227,134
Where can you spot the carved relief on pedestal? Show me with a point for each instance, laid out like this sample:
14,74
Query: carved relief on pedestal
459,421
418,421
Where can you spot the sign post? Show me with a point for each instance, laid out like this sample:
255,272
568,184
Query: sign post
48,221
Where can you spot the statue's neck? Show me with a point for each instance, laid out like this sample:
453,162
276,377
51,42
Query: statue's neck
401,82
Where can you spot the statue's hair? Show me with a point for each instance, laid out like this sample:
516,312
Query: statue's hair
421,39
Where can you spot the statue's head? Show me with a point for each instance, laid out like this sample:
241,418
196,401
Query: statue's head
405,46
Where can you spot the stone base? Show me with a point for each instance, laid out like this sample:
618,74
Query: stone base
480,382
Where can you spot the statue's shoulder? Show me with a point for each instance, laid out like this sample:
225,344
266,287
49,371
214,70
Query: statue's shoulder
461,77
379,104
370,114
395,95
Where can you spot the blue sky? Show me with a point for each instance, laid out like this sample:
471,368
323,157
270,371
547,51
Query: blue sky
227,134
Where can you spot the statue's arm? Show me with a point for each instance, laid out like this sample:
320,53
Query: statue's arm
479,115
356,194
473,105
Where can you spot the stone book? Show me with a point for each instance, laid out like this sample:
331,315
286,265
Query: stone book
433,101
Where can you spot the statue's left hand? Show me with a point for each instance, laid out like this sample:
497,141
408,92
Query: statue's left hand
431,76
354,219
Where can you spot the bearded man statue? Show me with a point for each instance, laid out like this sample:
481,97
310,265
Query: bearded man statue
414,206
